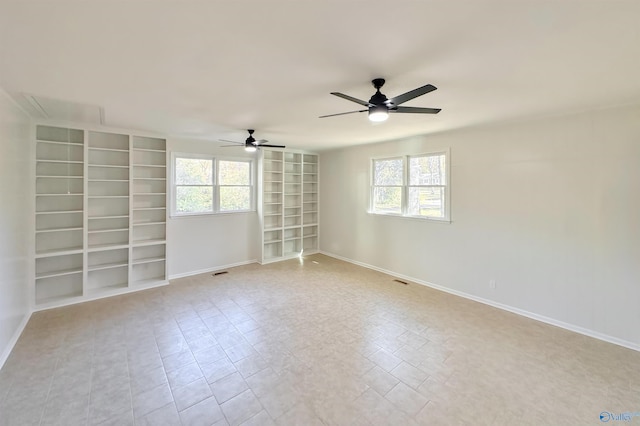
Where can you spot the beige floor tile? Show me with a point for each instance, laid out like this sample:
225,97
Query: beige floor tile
228,387
218,369
241,351
247,326
184,375
164,416
262,382
171,344
152,399
205,413
194,392
209,355
146,380
409,375
279,400
379,380
143,361
374,406
299,415
66,411
241,408
178,360
106,408
203,343
251,365
406,399
123,419
385,360
260,419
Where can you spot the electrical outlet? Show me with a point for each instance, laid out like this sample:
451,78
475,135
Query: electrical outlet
492,284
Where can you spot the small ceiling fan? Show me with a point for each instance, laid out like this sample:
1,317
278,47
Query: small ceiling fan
251,144
379,106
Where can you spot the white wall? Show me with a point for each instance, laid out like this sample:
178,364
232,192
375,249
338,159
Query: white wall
15,205
209,242
549,208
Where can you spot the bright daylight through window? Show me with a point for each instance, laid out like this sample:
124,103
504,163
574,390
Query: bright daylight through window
414,186
208,185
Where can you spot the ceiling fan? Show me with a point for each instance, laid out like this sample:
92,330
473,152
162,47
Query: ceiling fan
379,106
251,144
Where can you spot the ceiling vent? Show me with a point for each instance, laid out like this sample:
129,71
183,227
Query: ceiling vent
39,107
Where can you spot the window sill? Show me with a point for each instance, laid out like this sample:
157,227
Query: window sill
194,215
420,218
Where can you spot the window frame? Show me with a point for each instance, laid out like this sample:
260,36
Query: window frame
215,159
404,213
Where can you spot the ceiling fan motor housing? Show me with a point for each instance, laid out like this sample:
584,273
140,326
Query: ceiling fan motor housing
378,99
250,139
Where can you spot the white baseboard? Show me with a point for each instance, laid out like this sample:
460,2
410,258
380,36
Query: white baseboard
14,339
214,269
518,311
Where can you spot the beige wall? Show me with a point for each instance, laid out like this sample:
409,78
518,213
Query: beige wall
204,243
548,208
16,197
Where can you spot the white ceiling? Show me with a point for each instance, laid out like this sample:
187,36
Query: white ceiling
209,69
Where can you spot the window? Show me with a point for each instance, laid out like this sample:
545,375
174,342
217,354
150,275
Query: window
413,185
235,185
387,185
206,185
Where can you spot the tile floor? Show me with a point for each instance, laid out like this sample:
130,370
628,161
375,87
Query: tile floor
319,343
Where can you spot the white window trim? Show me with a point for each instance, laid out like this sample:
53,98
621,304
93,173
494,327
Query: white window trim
406,186
216,187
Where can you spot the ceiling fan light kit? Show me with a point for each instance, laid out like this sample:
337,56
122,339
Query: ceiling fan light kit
379,106
378,114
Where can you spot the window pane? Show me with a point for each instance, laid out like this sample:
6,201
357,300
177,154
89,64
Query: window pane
234,173
235,198
387,172
194,199
427,170
427,202
387,199
193,171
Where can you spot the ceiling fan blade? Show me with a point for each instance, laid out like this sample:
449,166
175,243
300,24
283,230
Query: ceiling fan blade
400,99
228,141
261,141
416,110
351,98
342,113
271,146
229,146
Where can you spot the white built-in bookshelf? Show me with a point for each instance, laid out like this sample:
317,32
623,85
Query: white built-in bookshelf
100,214
289,204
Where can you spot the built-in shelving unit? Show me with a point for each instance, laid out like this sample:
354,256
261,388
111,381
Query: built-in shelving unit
149,210
289,205
93,198
310,203
59,238
108,212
